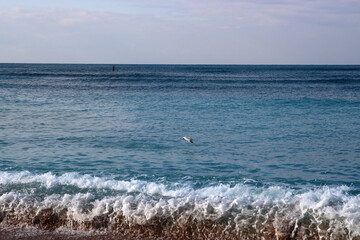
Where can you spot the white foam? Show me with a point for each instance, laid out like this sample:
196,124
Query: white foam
140,201
50,180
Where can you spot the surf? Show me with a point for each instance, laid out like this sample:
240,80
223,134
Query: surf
164,210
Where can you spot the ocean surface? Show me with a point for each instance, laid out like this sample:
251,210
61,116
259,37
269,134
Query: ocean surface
87,149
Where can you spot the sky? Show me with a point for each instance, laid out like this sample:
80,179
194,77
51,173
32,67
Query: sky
180,31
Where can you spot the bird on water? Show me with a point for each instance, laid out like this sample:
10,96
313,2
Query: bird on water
189,139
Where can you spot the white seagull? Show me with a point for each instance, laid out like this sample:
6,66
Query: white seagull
189,139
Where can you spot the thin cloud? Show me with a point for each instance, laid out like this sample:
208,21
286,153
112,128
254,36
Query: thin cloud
183,31
55,16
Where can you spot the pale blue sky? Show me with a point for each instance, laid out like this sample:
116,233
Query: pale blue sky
181,31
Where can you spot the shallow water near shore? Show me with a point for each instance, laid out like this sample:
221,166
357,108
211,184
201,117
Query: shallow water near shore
86,149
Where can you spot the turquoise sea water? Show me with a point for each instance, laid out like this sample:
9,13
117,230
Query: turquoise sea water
270,140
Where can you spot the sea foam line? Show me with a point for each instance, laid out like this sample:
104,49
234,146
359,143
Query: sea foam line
241,194
87,181
240,206
327,212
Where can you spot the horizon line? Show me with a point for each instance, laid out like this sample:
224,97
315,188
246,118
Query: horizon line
204,64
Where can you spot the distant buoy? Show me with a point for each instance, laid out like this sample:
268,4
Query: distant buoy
113,67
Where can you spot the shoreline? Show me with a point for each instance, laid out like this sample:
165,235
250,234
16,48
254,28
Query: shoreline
18,233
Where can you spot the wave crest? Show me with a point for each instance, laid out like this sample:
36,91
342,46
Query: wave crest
159,210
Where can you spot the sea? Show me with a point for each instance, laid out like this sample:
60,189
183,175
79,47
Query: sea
88,151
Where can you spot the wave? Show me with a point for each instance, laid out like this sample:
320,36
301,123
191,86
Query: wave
151,210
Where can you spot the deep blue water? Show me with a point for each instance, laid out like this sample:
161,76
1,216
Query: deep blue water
296,127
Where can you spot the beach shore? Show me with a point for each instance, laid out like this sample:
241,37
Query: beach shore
14,233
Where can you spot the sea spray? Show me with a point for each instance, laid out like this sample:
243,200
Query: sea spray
158,210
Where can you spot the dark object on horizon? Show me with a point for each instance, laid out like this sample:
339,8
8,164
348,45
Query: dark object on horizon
113,67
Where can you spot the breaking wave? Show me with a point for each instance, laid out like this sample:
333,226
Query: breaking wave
147,209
